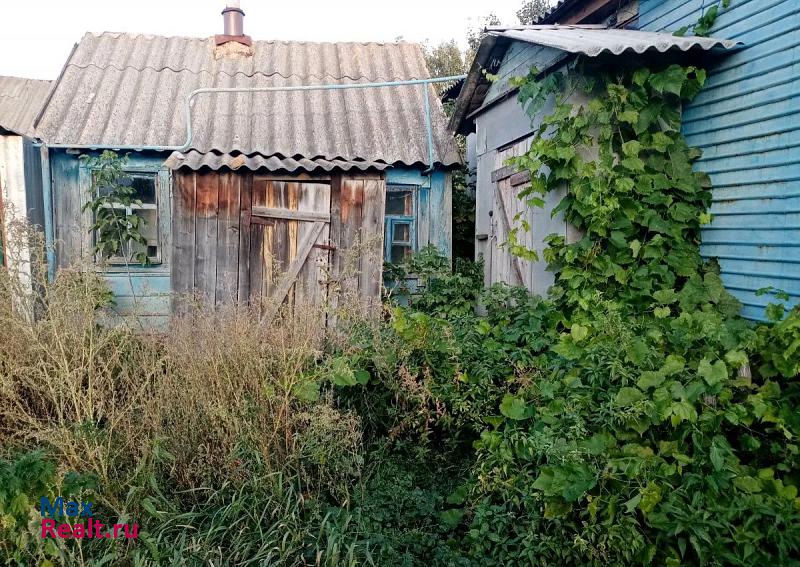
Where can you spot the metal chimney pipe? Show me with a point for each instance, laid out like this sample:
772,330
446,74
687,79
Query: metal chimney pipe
233,18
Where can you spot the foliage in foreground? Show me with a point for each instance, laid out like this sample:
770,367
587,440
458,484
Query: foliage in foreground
630,418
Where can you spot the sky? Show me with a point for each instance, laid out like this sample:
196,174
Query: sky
36,36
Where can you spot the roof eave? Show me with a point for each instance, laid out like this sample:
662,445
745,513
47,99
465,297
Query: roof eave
458,121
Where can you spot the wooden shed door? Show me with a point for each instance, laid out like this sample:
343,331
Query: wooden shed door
288,255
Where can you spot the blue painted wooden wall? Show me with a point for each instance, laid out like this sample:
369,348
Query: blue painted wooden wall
747,121
434,206
143,292
146,291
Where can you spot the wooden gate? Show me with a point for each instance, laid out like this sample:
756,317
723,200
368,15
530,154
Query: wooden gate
286,245
272,239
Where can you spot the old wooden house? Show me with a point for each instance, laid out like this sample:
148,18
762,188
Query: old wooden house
746,120
277,194
20,164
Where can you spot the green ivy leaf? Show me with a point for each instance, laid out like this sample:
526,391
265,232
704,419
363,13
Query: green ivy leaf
747,484
578,332
514,408
674,364
670,80
661,312
628,396
362,377
712,374
650,379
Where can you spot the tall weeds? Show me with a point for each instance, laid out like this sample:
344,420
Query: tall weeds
198,426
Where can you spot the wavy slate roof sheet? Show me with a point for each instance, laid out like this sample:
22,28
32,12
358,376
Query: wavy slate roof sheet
20,102
130,89
213,160
595,40
590,40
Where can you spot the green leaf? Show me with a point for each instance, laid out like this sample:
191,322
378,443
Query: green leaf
651,496
650,379
713,374
513,407
670,80
362,377
341,374
628,396
451,518
674,364
458,496
736,358
661,312
747,484
307,390
631,148
578,332
717,453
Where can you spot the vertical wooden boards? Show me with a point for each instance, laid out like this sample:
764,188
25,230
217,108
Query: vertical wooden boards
257,243
510,211
206,213
360,246
244,237
246,191
351,205
335,240
228,238
281,267
183,199
66,208
372,237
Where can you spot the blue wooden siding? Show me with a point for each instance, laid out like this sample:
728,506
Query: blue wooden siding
747,122
145,291
434,205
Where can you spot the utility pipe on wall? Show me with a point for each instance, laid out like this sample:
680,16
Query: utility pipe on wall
328,87
49,236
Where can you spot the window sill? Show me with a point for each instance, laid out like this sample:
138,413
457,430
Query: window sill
136,269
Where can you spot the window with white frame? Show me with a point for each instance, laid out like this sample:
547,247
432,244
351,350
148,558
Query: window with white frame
144,194
400,223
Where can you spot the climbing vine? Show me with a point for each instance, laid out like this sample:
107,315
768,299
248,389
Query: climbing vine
633,194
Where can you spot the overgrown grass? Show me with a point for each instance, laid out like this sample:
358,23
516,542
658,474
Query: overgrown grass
204,433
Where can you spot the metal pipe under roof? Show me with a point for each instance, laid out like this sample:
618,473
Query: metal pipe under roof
331,86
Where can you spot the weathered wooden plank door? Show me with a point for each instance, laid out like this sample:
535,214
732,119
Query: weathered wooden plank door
285,245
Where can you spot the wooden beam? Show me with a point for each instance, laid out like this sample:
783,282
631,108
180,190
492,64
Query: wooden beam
275,213
585,14
294,269
503,173
520,178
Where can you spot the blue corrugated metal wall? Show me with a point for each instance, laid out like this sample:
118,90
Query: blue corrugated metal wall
747,121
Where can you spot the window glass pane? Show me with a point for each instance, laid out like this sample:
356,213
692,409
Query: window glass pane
144,187
400,202
399,253
149,229
402,232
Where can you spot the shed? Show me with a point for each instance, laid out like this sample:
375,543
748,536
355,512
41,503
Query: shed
753,234
285,194
20,164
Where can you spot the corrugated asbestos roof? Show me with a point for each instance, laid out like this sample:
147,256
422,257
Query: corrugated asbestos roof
594,40
213,160
588,40
130,89
20,102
